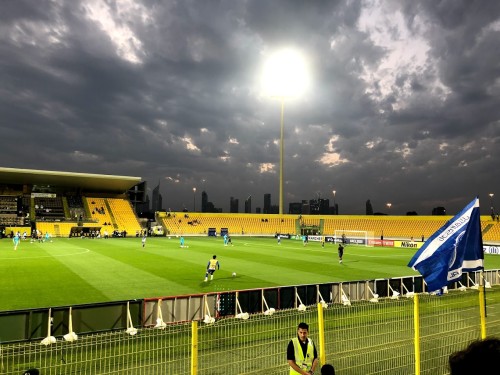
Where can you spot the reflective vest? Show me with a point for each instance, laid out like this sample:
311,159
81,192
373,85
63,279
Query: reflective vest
303,363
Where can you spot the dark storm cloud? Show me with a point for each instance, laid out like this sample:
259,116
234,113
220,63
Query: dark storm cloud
403,107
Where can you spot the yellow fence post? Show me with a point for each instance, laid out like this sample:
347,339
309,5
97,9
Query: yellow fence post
194,347
482,311
416,323
321,328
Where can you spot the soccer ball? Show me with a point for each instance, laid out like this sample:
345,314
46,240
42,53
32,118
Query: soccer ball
234,274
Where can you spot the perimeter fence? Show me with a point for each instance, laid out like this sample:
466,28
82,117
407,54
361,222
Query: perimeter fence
401,334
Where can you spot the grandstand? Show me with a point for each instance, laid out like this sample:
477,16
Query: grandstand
395,227
66,204
369,333
71,204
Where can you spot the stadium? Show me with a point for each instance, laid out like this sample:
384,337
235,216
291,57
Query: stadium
86,299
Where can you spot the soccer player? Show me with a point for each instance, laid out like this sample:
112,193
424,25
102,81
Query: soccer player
279,239
182,241
212,265
225,239
15,239
144,239
341,252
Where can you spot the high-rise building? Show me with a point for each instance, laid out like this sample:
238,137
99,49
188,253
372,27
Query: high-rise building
233,205
295,208
267,204
156,202
248,205
306,209
369,207
204,201
324,206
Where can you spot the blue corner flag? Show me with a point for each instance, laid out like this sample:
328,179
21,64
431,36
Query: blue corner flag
456,247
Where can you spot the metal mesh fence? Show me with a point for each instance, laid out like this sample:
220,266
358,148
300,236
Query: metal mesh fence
359,338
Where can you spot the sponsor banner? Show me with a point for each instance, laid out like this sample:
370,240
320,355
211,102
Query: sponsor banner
283,236
491,250
408,244
315,238
353,241
385,243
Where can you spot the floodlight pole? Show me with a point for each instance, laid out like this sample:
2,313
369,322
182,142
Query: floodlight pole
194,199
282,150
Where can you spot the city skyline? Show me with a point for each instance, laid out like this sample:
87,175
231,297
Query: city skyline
400,106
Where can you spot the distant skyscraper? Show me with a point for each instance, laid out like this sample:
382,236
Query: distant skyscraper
369,208
248,205
233,205
306,209
267,204
156,203
324,206
295,208
204,201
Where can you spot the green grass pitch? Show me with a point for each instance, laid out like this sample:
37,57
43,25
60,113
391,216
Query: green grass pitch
77,271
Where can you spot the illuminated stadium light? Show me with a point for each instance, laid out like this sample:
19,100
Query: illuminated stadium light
285,75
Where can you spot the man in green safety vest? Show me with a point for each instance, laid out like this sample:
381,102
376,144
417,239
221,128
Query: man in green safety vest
301,352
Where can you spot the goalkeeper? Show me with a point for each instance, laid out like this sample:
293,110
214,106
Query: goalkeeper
212,265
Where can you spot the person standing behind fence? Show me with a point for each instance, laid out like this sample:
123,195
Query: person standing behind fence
301,352
327,369
480,356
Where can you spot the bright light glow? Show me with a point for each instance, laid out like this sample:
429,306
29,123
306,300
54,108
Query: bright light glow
286,74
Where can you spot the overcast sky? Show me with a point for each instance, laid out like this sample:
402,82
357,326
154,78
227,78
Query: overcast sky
402,106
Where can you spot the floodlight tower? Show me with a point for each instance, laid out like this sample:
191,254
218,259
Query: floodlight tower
285,76
389,205
491,203
334,204
194,199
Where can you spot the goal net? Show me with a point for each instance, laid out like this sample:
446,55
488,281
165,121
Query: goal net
355,237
